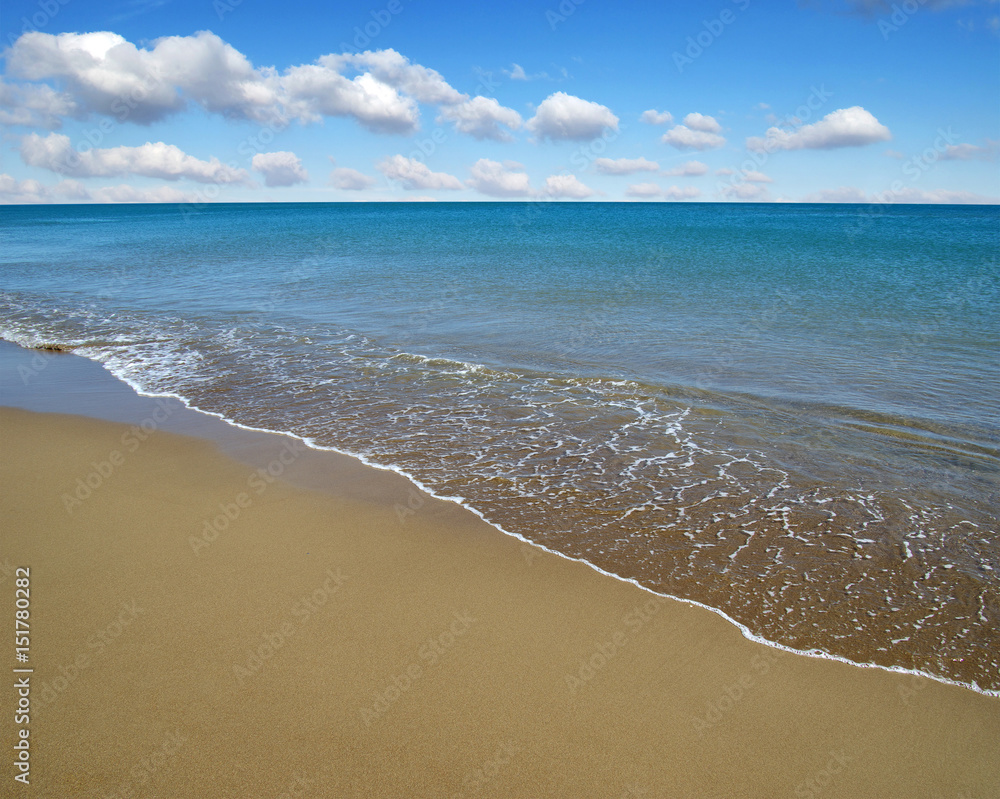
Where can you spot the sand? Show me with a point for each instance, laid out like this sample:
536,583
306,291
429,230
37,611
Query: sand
202,628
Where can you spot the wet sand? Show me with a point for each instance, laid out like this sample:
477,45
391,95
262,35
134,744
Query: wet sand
270,621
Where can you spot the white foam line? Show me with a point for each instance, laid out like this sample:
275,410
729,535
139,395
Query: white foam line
747,633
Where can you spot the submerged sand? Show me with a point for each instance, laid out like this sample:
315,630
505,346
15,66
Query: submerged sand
200,627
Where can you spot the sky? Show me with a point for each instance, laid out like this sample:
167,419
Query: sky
868,101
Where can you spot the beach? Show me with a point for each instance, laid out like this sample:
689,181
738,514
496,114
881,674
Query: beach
240,615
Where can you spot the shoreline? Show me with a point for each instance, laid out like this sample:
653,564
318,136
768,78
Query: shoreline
462,503
325,639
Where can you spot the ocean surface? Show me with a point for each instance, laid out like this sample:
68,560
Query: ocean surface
788,413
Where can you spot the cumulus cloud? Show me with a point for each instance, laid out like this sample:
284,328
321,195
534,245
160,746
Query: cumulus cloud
152,159
968,152
625,166
562,116
689,169
753,176
414,174
350,179
481,118
683,137
499,180
31,191
102,72
36,106
105,74
654,117
703,123
566,186
280,168
845,127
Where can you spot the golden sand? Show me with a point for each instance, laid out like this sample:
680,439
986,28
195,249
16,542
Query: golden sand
202,628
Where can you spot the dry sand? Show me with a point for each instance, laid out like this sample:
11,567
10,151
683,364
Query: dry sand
366,640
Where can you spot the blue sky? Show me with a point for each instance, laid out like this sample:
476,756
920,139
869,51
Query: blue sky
734,100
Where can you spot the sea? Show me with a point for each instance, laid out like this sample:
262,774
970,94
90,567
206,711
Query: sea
788,413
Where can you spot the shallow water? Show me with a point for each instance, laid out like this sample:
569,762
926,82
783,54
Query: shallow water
786,412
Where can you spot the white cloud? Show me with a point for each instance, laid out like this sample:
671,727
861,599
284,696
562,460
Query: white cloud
130,194
414,174
350,179
967,152
280,168
394,69
625,166
311,92
702,122
155,160
566,186
105,74
654,117
684,138
844,194
687,193
724,171
647,191
516,72
689,169
71,191
34,105
499,180
643,190
562,116
745,191
909,194
752,176
845,127
481,118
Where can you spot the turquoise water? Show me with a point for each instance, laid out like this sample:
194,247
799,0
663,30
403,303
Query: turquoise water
788,412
